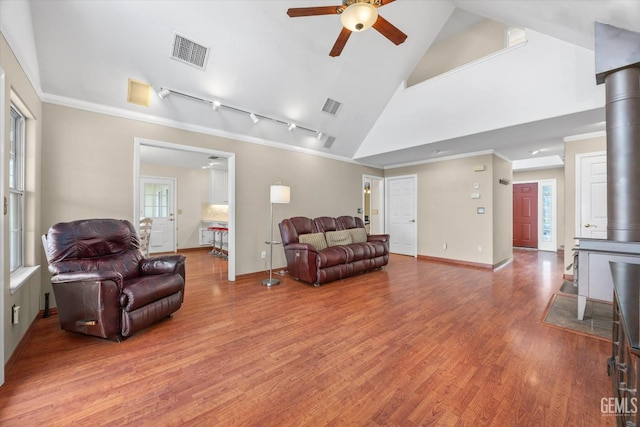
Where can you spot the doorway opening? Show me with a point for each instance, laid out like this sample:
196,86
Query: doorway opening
174,153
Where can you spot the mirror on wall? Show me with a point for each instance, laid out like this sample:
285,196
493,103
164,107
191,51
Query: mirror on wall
373,204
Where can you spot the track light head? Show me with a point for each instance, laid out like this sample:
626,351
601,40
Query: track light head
215,105
291,126
164,93
254,118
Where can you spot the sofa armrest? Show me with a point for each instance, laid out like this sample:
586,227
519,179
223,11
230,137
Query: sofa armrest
302,261
300,247
378,238
162,264
87,276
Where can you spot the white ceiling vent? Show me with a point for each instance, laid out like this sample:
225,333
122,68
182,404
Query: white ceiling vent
190,52
329,142
331,106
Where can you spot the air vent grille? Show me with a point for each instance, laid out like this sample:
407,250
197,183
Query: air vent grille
331,106
329,142
189,52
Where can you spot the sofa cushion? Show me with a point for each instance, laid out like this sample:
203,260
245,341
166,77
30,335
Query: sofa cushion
317,240
358,235
339,237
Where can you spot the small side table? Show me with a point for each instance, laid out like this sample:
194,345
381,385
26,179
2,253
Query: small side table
271,281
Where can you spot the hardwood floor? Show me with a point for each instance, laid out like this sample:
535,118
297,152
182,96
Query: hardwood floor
418,343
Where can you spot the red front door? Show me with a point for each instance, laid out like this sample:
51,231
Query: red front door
525,215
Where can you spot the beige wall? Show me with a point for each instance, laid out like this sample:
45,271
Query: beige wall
89,173
571,149
29,296
448,214
543,174
192,189
482,39
502,212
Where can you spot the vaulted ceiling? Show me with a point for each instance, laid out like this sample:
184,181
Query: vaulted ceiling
531,97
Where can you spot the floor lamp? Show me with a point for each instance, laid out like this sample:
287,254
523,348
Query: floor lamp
279,194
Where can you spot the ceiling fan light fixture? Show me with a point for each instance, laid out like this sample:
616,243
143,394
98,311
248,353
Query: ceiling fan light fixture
359,16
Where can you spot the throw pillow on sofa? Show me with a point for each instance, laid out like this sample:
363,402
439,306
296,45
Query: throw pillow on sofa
315,239
340,237
358,235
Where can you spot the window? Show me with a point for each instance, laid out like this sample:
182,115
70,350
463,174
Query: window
16,188
156,200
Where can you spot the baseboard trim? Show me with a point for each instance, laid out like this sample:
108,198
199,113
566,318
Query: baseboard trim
456,262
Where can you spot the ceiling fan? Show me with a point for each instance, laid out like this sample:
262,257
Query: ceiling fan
355,15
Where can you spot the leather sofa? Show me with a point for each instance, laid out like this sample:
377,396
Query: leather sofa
103,283
323,249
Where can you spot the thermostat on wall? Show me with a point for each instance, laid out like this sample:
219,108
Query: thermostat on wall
480,211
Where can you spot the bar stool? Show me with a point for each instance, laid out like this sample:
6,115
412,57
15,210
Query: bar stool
217,250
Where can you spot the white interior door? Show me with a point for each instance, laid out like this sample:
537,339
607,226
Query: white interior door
591,194
157,201
401,214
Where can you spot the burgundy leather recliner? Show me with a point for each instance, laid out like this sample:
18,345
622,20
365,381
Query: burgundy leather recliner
104,285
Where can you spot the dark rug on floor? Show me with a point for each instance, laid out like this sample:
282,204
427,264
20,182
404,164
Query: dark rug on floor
563,313
569,288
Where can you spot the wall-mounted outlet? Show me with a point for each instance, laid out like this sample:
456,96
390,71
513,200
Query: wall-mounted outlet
263,255
15,314
444,246
479,248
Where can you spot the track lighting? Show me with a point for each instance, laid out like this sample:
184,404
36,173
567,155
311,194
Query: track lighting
164,93
217,105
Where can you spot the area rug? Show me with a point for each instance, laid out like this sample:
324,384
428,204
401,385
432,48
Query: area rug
562,312
569,288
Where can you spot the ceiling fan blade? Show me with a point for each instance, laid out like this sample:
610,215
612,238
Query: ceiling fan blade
390,31
340,42
313,11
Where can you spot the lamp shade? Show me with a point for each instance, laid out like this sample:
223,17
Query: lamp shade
280,194
359,16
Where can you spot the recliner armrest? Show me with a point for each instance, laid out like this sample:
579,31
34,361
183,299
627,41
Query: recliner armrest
87,276
161,264
378,237
300,247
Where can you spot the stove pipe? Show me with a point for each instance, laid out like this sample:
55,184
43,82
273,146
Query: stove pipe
618,66
623,155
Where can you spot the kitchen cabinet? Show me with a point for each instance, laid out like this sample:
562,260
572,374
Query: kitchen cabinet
218,189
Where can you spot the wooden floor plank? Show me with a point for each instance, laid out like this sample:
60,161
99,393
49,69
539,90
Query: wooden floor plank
417,343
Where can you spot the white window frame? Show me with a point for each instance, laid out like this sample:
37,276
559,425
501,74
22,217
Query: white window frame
16,188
